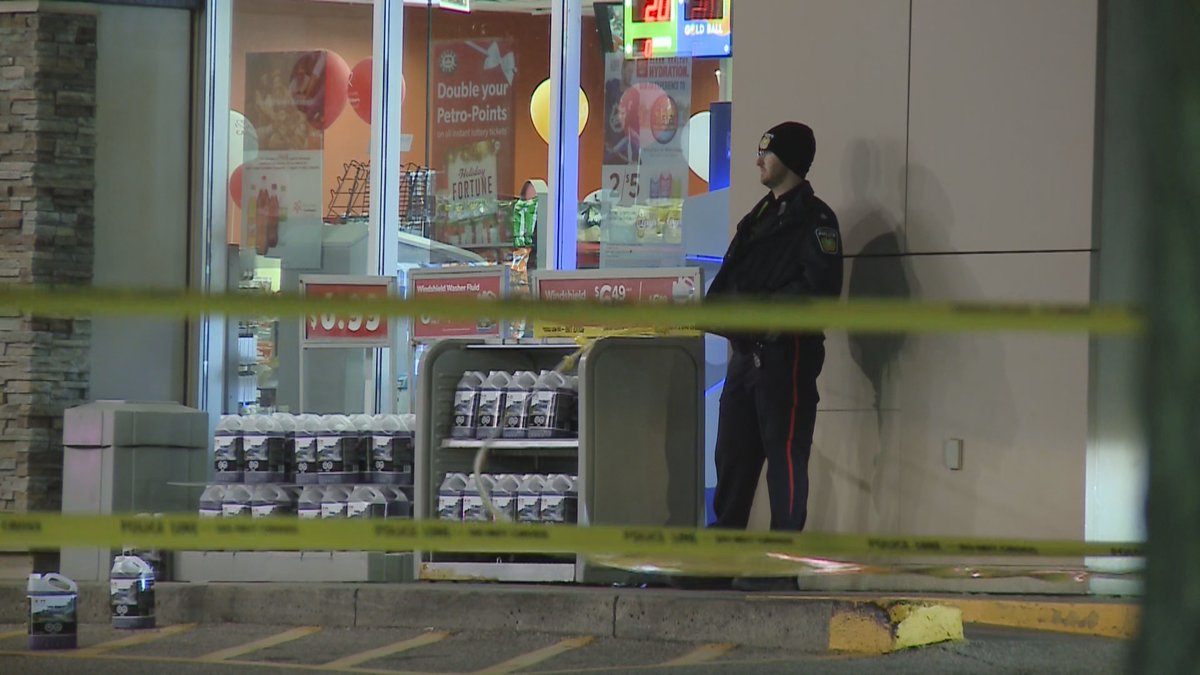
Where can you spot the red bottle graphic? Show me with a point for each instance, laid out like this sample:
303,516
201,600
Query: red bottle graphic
273,218
263,214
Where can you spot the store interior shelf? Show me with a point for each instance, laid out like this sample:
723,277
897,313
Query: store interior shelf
513,444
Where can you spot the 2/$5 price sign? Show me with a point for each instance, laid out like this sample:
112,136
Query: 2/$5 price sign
345,330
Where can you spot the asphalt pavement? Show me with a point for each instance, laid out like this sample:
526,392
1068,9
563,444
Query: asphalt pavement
225,649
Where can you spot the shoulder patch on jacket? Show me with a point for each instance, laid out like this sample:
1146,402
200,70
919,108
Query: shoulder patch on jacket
828,238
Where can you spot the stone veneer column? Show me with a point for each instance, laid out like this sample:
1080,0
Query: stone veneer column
47,158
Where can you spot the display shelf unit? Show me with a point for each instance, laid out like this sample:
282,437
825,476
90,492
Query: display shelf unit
638,458
438,454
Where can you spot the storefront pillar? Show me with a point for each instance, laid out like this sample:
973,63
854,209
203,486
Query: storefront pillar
563,167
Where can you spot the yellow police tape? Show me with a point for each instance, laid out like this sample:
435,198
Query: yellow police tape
777,564
792,316
191,533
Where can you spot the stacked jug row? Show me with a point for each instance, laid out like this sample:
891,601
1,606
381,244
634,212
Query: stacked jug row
524,404
522,498
310,501
307,449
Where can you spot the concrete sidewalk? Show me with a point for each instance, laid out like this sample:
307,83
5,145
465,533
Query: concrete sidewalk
799,621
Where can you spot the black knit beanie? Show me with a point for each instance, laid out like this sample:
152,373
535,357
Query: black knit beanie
793,143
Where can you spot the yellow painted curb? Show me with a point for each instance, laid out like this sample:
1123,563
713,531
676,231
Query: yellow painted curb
1097,618
1114,620
880,628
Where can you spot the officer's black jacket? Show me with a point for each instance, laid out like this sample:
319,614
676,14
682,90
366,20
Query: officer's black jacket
783,247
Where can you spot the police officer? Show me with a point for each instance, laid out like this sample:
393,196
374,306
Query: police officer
788,246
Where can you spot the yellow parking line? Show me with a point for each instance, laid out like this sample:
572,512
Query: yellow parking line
250,666
73,655
139,638
795,660
701,654
277,639
14,633
387,650
536,656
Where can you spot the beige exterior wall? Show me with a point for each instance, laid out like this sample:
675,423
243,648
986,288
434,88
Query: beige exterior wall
963,129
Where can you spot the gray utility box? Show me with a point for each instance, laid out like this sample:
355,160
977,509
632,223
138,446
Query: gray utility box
129,457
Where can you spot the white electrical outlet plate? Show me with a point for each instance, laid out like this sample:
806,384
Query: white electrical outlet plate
952,451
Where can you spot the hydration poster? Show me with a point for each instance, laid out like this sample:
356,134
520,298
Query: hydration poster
645,180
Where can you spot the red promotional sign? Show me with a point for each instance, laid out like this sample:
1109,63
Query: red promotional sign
473,117
467,284
346,330
624,289
665,285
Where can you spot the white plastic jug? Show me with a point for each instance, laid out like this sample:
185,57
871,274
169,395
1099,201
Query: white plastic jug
366,501
399,505
334,502
272,500
529,498
212,500
450,496
489,413
338,451
472,508
392,451
466,398
544,410
52,611
308,506
131,592
304,458
237,501
559,500
516,404
504,497
227,450
262,440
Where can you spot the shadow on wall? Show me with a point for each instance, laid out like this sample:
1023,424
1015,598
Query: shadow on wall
862,464
877,268
954,386
927,388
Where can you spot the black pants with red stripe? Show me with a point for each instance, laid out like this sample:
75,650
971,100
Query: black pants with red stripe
768,409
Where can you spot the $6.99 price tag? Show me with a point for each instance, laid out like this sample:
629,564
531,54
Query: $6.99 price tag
334,325
349,328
